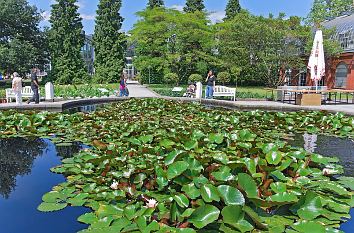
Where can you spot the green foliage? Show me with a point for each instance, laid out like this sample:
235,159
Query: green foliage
195,78
22,44
65,42
171,78
83,91
224,77
155,3
109,42
210,172
194,5
324,9
256,48
172,41
233,7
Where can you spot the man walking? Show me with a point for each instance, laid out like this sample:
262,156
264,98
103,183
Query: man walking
34,87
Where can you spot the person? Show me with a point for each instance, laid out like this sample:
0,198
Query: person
123,86
210,80
17,88
190,90
34,87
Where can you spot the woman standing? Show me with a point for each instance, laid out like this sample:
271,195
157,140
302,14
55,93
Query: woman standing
210,80
17,88
123,86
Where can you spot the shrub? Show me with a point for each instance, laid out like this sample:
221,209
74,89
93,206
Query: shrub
224,77
171,78
195,78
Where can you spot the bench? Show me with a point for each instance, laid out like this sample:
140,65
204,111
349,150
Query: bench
26,93
225,91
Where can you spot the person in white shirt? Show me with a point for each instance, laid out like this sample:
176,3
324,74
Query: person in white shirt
17,88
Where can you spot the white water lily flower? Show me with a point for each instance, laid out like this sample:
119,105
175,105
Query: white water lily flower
152,203
328,171
114,185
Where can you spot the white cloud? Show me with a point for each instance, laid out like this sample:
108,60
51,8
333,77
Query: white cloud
217,16
45,15
88,17
177,7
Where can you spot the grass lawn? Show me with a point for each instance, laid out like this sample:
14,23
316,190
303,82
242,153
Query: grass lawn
241,92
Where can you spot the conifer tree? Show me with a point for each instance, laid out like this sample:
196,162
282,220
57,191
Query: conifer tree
194,5
155,3
232,9
109,42
65,42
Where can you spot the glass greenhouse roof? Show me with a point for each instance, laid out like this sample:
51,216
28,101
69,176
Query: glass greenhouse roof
345,31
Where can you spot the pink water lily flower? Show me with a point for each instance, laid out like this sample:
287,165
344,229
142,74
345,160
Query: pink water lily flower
152,203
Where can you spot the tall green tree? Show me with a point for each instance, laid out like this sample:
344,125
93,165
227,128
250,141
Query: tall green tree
66,39
22,43
324,9
109,42
155,3
169,41
194,5
233,7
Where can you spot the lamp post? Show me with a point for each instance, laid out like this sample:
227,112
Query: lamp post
149,73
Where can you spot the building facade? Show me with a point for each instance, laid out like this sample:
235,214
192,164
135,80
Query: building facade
340,70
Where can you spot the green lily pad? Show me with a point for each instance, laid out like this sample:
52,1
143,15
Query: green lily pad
204,215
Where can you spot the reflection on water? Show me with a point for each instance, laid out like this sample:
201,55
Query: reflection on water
85,109
16,159
342,148
25,177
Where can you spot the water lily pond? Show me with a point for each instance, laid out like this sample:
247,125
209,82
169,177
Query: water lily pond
164,166
25,177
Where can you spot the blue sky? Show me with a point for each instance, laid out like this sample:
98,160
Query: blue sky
216,7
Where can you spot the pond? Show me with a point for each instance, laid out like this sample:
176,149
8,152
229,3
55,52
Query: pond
24,178
155,161
341,148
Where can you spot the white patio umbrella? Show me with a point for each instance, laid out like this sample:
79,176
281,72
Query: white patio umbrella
317,64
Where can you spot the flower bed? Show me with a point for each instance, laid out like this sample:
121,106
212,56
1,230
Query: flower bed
164,166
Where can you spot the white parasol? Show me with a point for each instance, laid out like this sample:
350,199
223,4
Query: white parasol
317,64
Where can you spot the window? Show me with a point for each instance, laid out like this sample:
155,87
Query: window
346,39
302,79
341,76
287,80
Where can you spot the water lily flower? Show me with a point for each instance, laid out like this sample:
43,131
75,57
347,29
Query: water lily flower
114,185
152,203
328,171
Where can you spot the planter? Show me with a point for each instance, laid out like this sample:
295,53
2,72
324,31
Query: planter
308,99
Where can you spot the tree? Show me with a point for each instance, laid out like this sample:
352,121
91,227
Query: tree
194,5
324,9
155,3
233,7
22,44
265,47
66,39
109,42
169,41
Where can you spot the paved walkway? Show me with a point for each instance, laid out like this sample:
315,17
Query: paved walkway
139,91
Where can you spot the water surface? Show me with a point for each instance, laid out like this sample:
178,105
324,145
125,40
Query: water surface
342,148
24,178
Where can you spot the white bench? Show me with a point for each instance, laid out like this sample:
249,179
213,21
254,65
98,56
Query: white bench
225,91
26,93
